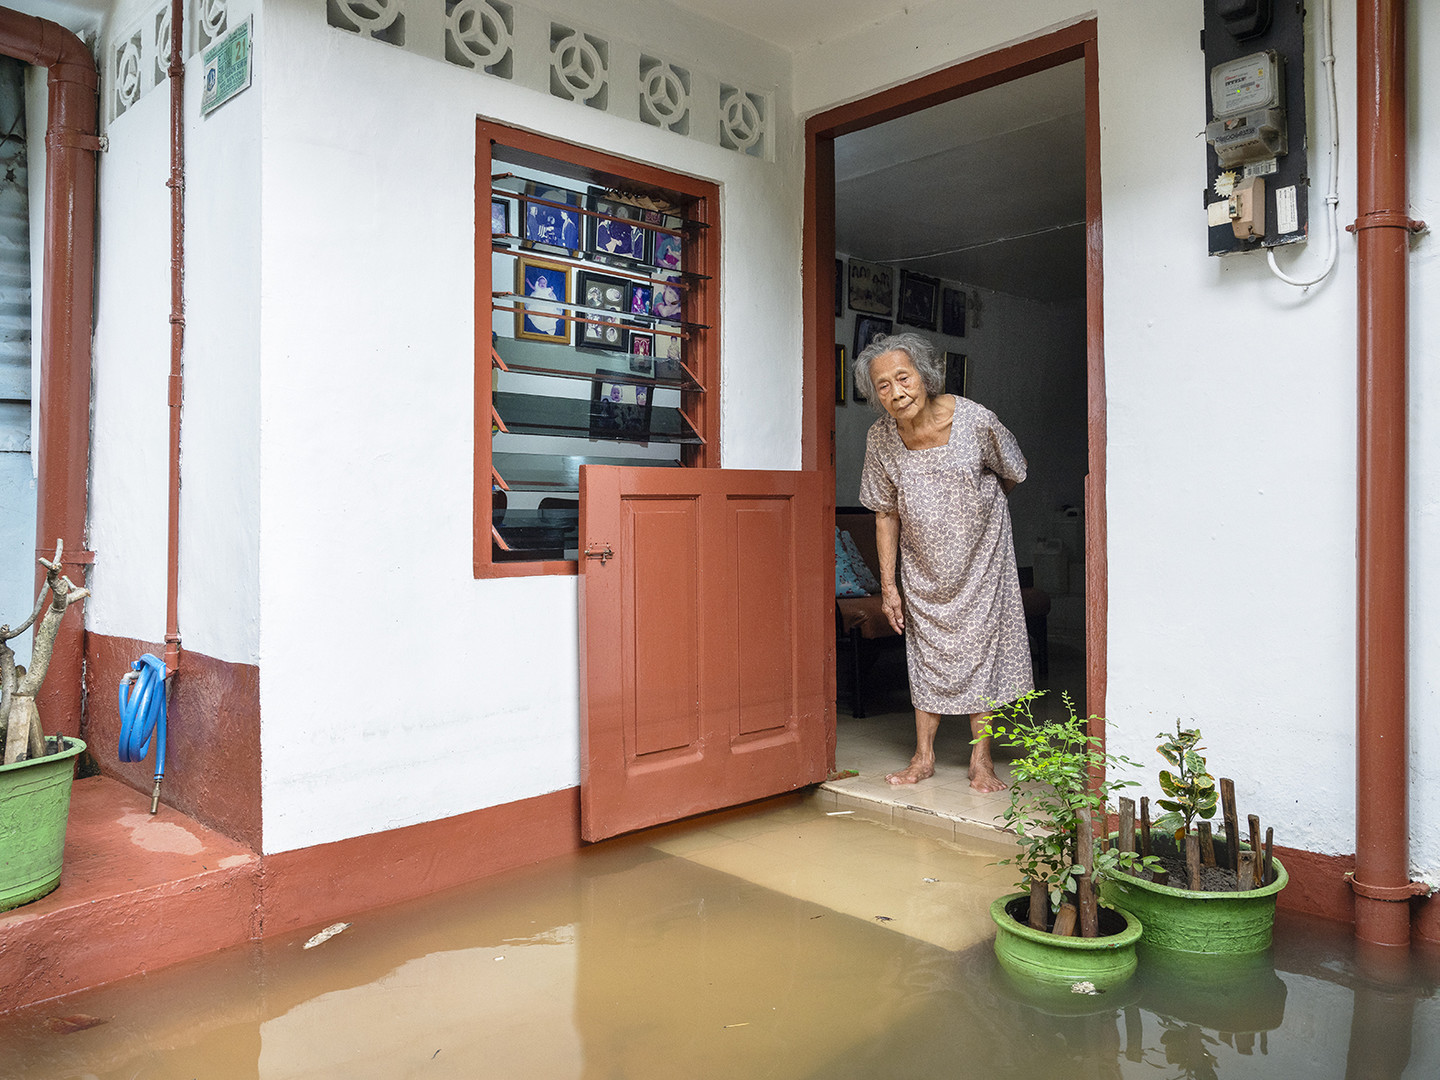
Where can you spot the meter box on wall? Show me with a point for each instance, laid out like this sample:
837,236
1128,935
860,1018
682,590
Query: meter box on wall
1258,180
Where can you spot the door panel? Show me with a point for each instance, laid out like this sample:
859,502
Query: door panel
702,641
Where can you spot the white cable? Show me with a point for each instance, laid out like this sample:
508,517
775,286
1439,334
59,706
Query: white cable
1332,197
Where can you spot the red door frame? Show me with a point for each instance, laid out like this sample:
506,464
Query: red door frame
1076,42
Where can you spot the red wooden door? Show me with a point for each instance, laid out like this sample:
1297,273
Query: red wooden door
702,641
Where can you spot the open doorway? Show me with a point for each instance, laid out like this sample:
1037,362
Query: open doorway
978,185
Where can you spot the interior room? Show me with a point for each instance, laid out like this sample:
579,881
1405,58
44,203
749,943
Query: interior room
970,214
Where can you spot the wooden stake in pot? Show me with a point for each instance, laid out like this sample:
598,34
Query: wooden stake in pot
1085,887
1246,873
1267,870
1039,905
1254,821
1192,860
1145,848
1232,823
1065,921
1207,844
1126,836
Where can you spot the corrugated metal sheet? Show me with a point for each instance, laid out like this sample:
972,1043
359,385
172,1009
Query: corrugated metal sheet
14,262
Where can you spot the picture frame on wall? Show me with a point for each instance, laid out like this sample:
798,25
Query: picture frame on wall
641,348
667,302
839,288
919,300
957,374
668,349
839,374
610,232
952,312
867,329
602,293
499,216
872,287
551,225
668,251
543,289
619,408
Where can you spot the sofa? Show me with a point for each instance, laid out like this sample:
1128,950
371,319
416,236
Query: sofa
862,629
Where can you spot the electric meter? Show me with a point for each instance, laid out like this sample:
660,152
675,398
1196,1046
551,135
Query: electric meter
1248,99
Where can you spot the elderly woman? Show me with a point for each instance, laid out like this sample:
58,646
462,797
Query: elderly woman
937,470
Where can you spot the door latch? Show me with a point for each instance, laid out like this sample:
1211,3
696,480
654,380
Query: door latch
604,556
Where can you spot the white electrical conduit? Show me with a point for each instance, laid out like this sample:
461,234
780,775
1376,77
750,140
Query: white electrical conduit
1332,197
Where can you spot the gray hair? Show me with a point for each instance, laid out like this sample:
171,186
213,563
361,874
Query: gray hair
921,353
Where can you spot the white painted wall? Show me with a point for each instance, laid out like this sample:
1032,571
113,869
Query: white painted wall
219,508
1231,466
395,688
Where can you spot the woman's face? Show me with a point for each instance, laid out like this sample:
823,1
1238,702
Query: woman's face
898,385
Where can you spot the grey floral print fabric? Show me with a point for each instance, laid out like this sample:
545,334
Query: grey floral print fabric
965,639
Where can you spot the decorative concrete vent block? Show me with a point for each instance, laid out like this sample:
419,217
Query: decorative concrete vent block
129,69
212,19
382,20
579,67
664,95
480,34
160,49
744,122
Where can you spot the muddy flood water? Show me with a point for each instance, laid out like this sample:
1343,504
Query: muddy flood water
776,942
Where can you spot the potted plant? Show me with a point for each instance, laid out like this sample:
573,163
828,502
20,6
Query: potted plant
37,772
1053,930
1211,893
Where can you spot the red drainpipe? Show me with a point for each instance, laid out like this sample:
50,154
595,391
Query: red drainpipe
1381,879
64,451
176,185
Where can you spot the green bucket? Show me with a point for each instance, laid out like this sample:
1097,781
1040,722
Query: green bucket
1214,923
34,808
1063,961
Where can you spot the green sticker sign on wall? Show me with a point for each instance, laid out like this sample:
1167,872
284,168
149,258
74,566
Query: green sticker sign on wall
227,68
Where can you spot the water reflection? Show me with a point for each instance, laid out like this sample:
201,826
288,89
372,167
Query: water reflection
625,962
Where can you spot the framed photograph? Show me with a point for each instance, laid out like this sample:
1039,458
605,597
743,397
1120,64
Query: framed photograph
666,302
952,312
618,239
551,225
872,287
839,374
619,409
601,293
867,329
667,251
641,347
957,374
667,356
839,288
919,300
538,281
499,216
640,299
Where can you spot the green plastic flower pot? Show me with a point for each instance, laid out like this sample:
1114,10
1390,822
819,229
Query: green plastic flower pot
34,808
1063,961
1183,920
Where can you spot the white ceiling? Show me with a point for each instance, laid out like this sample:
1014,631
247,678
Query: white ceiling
987,190
797,25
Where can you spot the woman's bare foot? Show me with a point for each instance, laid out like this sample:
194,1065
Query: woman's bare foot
983,778
918,770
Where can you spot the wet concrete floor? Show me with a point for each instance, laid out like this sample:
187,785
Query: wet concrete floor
784,941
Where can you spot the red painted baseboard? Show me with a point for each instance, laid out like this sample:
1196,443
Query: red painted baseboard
319,884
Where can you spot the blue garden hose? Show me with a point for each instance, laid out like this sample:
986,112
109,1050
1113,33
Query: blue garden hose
142,715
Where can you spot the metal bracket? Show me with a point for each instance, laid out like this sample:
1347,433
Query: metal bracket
1387,219
1395,893
604,556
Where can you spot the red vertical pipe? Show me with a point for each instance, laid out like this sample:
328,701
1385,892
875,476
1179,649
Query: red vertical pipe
1382,871
63,455
176,184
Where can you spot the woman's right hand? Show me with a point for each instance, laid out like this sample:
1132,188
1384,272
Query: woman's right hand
893,607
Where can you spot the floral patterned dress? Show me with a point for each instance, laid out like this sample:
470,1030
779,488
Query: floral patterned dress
965,638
